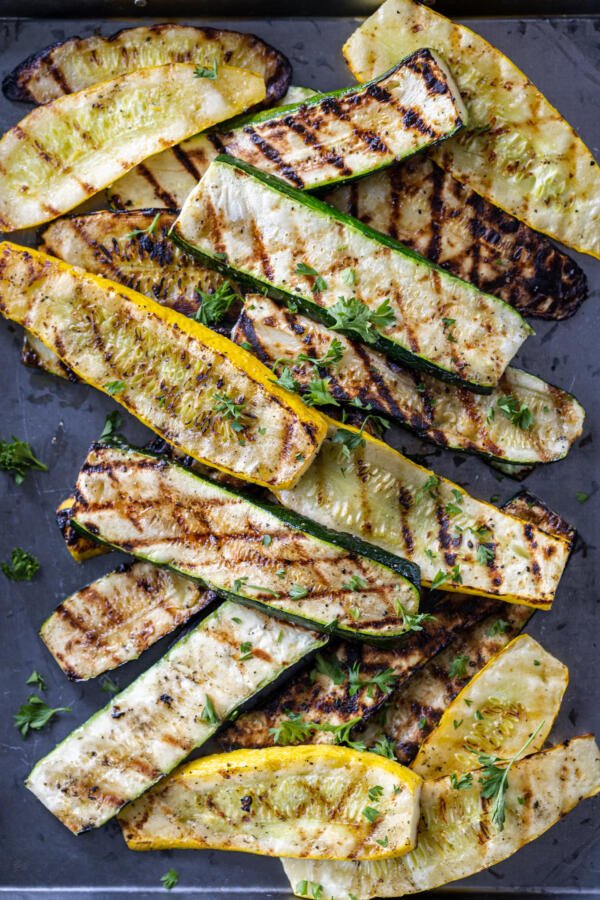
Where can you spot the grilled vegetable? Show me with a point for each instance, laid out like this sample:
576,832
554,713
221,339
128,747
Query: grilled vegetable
166,178
68,150
80,547
360,485
456,837
519,152
79,63
424,207
307,802
298,249
173,707
260,553
492,425
171,372
516,695
411,681
132,249
115,618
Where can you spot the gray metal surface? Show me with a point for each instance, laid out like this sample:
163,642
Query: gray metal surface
38,855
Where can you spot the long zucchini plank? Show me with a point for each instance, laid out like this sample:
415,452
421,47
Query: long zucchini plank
115,618
519,153
171,709
456,836
260,553
171,372
78,63
366,488
445,414
165,179
317,697
424,207
66,151
248,222
132,249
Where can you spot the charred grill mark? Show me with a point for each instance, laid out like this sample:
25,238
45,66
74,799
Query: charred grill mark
446,542
260,251
353,201
186,162
338,109
159,191
436,203
286,170
308,132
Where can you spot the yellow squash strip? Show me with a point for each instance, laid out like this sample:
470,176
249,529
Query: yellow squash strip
360,485
456,836
66,151
79,546
177,376
518,152
518,692
304,802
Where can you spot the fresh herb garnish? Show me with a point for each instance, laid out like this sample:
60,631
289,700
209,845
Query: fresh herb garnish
170,879
329,666
383,842
246,650
458,666
428,487
232,412
485,554
515,412
22,566
292,730
457,723
440,578
582,497
209,713
109,685
383,746
371,814
333,354
112,424
319,284
354,583
214,306
115,387
500,626
150,229
422,723
461,784
317,393
205,72
286,380
352,315
448,329
17,457
413,621
37,679
349,277
35,714
375,793
309,889
384,680
298,591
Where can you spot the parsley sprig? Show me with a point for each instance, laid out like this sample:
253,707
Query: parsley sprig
35,714
150,229
207,72
517,413
214,306
170,879
22,566
384,681
17,457
353,316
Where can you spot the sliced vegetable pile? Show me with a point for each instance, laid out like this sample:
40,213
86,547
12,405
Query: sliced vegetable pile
402,743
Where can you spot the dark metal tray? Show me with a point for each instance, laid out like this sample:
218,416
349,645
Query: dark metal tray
39,857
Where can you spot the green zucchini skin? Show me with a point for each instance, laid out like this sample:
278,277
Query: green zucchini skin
152,725
243,547
444,414
224,249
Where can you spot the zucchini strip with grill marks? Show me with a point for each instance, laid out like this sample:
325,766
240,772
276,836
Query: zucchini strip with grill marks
360,485
517,694
193,387
298,249
115,618
257,552
66,151
305,802
492,425
519,152
456,836
411,681
424,207
133,249
79,63
168,711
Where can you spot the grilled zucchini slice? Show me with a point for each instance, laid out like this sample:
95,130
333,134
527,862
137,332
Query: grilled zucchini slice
360,485
516,695
132,249
79,63
424,207
64,152
456,837
519,152
171,372
168,711
492,425
166,178
115,618
260,553
298,249
302,802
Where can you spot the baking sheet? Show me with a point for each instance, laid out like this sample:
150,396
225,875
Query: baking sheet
39,856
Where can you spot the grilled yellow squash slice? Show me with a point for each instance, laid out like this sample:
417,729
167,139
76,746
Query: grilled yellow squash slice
303,802
79,63
115,618
516,695
451,416
519,152
70,149
198,390
360,485
456,837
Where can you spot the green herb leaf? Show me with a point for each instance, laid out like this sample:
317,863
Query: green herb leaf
461,784
298,591
448,326
375,793
37,679
349,441
304,269
22,566
246,650
109,685
383,746
439,579
383,842
292,730
329,666
317,393
17,457
115,387
286,380
35,714
214,306
355,583
112,424
170,879
458,666
413,621
208,713
232,412
500,626
371,814
515,412
582,497
428,487
333,355
310,889
485,554
205,72
384,680
457,723
352,315
349,277
139,231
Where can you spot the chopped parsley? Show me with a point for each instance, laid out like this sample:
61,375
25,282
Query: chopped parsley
286,380
384,681
150,229
206,72
311,889
319,284
458,666
371,814
349,277
231,411
109,685
413,621
333,355
448,329
582,497
298,591
352,315
515,412
209,713
214,306
499,626
383,746
170,879
485,554
22,566
35,714
317,393
115,387
375,793
246,650
354,583
17,457
462,783
112,425
428,487
330,667
37,679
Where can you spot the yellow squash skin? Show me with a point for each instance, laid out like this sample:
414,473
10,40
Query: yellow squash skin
380,495
456,836
518,692
304,802
519,152
66,151
168,369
